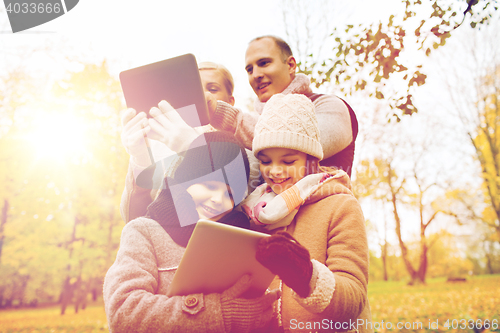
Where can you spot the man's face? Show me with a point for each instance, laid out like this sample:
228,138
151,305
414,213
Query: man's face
267,73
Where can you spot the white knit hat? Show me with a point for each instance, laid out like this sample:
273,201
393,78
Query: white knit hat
288,121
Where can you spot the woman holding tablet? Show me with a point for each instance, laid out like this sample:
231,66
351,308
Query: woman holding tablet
217,81
209,181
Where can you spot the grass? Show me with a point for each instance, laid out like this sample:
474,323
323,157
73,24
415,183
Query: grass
49,320
391,302
438,300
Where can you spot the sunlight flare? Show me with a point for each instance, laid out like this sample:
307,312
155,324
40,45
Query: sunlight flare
58,137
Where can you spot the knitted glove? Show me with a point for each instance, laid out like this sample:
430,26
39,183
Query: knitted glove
134,127
169,127
285,257
245,315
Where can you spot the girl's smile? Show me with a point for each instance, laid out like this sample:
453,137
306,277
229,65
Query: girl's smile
281,168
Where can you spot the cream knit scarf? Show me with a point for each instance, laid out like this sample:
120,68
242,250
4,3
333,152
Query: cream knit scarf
299,85
265,208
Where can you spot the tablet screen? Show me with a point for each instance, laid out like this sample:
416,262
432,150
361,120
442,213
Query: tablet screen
176,80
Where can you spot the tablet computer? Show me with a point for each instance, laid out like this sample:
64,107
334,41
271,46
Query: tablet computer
176,80
216,256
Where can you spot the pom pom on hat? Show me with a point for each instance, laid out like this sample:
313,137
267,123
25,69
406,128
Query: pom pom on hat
208,155
288,121
213,155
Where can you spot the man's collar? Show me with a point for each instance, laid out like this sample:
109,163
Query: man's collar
299,85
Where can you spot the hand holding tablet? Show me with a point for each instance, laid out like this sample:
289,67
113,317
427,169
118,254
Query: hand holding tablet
175,80
171,94
168,127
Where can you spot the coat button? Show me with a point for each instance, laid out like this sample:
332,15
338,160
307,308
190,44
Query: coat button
191,301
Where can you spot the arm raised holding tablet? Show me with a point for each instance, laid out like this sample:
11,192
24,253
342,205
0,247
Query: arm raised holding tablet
148,135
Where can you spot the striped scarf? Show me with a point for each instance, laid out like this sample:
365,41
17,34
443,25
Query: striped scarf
269,210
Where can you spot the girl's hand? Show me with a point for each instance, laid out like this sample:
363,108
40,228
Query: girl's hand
285,257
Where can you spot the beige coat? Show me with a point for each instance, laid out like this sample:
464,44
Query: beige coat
332,227
135,286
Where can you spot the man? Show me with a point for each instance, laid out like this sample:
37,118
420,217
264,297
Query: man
271,70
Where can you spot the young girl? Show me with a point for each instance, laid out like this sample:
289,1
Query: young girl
210,180
318,248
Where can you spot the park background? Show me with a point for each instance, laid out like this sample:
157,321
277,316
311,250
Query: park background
422,76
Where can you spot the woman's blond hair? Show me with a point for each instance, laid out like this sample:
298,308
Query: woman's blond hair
228,78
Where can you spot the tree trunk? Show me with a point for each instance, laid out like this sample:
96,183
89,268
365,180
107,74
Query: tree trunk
67,292
404,250
384,261
487,249
84,294
8,302
22,290
66,295
2,289
78,290
94,294
402,245
384,252
109,251
3,221
422,269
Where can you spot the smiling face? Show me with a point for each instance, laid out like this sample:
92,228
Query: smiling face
214,82
282,167
267,73
211,199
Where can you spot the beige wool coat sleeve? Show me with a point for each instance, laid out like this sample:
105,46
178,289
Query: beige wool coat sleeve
135,287
332,227
135,200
